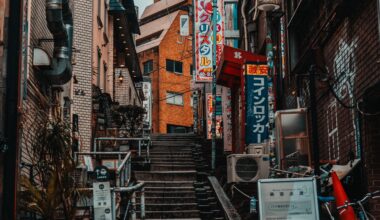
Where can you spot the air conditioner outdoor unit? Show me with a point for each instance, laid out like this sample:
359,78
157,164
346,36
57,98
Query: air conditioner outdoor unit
247,167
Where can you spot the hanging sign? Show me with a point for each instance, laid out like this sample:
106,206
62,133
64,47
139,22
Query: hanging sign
101,173
203,38
256,103
219,118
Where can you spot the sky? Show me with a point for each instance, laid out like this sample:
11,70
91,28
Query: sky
142,4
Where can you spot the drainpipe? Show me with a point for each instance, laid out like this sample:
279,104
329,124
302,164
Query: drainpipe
60,23
244,4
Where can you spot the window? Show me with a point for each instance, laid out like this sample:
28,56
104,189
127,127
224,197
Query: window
148,67
174,66
174,98
191,69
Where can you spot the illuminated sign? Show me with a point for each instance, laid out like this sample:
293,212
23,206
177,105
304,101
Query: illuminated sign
203,38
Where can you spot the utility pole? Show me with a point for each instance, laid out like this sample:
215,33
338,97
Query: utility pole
213,126
11,160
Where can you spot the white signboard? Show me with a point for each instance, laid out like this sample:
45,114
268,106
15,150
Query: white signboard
184,25
147,103
102,201
288,199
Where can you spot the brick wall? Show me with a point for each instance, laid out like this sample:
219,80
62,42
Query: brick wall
152,54
82,104
351,57
35,105
125,91
176,48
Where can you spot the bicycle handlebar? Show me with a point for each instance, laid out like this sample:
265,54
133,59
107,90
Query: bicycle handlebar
373,195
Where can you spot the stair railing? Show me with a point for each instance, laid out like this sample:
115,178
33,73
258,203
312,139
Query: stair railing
223,200
123,172
142,142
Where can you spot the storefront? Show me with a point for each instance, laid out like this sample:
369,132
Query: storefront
231,74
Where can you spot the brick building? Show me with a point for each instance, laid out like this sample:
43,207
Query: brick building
341,40
166,57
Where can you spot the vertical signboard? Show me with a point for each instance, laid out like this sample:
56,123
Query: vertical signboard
102,201
203,38
227,116
184,25
256,91
218,110
147,103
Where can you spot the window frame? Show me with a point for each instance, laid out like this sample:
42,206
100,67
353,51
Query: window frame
149,63
175,65
171,96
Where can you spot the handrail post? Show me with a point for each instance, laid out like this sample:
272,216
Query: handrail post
142,203
133,202
113,204
139,148
95,140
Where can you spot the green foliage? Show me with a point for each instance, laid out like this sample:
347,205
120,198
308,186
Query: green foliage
53,189
129,117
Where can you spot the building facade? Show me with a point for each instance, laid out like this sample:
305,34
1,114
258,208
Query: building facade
338,42
166,58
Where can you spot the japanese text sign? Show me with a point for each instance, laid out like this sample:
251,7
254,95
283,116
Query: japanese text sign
257,107
204,40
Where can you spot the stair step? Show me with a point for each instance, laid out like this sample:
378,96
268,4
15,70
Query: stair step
173,167
171,214
169,183
166,175
187,193
168,206
168,200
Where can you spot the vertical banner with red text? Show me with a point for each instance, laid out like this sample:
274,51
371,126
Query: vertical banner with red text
203,38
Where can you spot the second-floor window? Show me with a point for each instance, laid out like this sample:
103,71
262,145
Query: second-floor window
174,98
148,66
174,66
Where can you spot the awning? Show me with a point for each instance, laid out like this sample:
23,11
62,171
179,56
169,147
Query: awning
230,68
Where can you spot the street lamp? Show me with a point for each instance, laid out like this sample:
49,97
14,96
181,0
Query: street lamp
120,77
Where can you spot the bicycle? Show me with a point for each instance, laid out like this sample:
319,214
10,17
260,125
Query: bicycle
358,206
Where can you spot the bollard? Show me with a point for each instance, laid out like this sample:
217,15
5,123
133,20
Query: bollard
142,203
133,211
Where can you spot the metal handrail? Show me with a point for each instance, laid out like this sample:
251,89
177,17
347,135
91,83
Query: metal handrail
141,140
225,203
139,187
122,178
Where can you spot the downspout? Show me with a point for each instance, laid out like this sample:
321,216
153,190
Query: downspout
60,23
244,4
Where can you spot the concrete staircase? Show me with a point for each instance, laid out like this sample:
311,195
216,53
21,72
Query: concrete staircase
171,187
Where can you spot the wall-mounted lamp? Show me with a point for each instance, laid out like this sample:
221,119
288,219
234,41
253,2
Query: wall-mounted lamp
268,5
120,77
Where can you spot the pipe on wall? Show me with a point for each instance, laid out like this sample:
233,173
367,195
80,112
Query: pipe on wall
244,4
60,23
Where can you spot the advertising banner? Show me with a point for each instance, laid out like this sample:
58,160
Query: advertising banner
257,108
203,38
219,118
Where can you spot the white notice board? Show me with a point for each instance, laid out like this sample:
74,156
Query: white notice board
288,199
102,201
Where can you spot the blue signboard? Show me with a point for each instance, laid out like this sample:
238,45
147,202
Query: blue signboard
257,108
